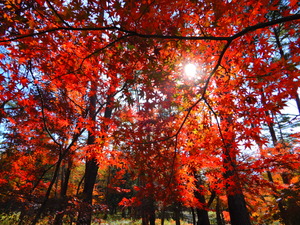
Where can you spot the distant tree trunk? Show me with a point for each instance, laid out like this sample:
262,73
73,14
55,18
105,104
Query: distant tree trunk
107,191
162,216
177,211
43,205
145,215
297,99
152,212
152,217
65,176
194,216
282,210
283,56
220,220
148,211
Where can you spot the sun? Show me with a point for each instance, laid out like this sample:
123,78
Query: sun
190,70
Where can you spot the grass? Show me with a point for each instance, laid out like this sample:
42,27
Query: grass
13,219
136,222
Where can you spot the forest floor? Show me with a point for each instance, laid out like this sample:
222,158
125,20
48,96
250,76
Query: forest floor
137,222
12,219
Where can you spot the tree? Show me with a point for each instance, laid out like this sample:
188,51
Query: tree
92,80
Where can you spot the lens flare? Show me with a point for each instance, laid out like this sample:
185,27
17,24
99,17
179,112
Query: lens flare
190,70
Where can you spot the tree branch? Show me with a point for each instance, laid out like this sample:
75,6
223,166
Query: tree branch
157,36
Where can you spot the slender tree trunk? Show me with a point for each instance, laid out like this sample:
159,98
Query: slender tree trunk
65,181
107,192
297,99
220,220
43,205
202,214
65,176
194,216
148,211
162,216
177,210
152,212
283,56
85,213
282,210
91,166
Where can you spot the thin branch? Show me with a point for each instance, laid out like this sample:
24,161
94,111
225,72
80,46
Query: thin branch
41,177
216,117
173,162
43,111
57,14
103,48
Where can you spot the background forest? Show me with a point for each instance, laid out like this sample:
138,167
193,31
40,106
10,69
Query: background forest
99,119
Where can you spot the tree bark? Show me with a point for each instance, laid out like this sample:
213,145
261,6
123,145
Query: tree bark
91,166
194,216
85,213
236,201
162,216
151,211
283,56
65,176
177,210
220,220
202,214
43,205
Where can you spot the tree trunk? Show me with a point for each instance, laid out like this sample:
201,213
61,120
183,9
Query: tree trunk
236,202
283,56
65,176
177,210
43,205
91,166
202,214
282,210
237,209
152,212
220,220
194,216
162,216
85,213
